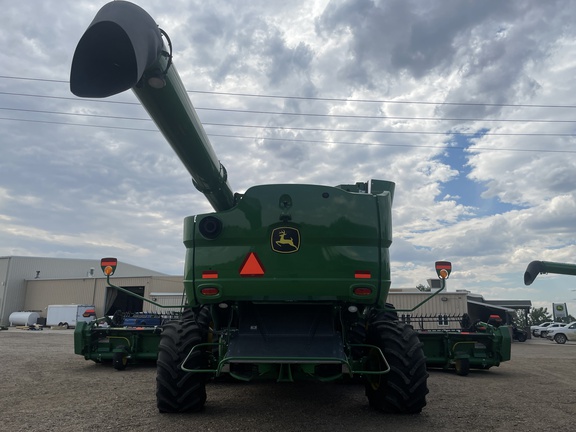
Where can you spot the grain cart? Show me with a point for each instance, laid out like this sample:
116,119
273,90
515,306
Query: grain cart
283,282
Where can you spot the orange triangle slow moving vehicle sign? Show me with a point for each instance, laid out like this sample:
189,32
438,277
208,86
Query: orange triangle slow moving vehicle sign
251,266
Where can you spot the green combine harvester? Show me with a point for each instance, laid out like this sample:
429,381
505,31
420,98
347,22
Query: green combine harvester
284,282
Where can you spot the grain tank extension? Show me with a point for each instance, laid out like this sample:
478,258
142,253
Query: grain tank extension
284,282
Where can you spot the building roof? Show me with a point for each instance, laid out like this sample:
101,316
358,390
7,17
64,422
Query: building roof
512,304
491,306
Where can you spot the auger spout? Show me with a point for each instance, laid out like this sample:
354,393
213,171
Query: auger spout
123,48
538,267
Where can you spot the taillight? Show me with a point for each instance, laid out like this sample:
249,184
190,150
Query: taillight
362,291
210,291
209,274
362,274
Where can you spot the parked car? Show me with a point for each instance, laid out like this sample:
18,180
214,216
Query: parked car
551,327
562,334
535,329
518,334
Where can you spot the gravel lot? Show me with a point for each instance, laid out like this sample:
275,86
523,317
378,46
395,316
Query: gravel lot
46,387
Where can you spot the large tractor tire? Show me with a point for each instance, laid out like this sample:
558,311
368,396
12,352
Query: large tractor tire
404,388
202,317
178,391
383,315
357,333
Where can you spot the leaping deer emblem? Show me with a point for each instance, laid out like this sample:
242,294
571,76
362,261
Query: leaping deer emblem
283,240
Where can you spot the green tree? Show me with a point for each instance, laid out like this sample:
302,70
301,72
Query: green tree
538,316
421,287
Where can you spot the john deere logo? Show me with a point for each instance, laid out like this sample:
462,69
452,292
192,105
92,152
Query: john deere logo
285,240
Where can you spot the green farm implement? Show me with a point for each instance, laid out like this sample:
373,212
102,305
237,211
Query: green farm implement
479,347
122,339
103,342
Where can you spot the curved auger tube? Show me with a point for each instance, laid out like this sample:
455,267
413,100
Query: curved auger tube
537,267
122,49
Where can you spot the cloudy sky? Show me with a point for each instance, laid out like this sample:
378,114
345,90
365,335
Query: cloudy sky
469,106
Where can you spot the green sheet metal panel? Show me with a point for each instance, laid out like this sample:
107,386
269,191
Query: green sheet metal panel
312,243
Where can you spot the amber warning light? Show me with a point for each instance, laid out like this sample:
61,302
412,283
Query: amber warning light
108,265
443,269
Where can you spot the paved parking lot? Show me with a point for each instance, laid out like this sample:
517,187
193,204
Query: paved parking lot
45,387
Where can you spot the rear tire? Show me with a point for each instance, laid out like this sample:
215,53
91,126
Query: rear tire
357,333
383,315
560,338
176,390
204,318
404,388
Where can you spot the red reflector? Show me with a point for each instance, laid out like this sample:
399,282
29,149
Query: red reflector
209,291
362,291
209,274
108,262
362,274
251,266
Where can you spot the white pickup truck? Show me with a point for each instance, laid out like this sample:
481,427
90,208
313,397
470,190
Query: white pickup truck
535,329
538,331
562,334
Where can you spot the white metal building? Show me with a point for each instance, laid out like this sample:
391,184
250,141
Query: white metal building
443,311
16,272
